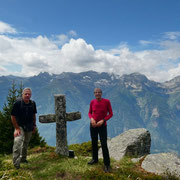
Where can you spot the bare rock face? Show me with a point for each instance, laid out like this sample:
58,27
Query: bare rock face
134,142
162,163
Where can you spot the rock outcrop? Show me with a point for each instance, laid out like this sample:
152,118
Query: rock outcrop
137,142
134,142
162,163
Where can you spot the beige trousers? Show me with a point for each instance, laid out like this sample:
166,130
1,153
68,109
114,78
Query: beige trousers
20,147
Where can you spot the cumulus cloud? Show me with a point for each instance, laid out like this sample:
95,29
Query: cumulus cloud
6,28
61,39
72,33
174,71
25,56
172,35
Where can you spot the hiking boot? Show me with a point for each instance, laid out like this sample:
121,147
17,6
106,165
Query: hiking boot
17,166
24,161
92,162
107,169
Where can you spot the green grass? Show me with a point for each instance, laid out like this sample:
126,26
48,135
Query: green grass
45,164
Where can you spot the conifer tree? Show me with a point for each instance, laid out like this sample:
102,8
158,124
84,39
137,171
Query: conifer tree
6,128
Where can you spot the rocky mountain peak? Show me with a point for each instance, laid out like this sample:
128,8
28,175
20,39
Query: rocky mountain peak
173,85
135,77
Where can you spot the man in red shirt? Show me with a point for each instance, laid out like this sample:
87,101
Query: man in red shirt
100,111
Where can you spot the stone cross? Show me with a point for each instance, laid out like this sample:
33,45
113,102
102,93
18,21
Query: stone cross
60,117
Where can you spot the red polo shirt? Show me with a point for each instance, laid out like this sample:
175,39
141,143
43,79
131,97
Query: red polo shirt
100,110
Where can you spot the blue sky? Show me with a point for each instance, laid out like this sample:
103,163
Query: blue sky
114,36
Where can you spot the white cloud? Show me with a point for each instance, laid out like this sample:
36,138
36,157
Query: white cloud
174,71
6,28
72,33
30,56
143,42
2,70
78,52
172,35
4,44
61,39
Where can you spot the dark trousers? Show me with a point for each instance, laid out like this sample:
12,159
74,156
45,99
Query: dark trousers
102,131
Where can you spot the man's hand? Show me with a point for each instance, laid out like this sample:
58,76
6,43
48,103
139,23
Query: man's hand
34,129
17,132
100,123
93,122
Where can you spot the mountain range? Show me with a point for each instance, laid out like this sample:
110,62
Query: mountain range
137,102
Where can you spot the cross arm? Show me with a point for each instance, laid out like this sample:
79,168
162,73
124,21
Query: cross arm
72,116
49,118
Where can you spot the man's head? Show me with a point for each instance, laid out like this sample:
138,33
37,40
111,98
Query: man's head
98,93
26,94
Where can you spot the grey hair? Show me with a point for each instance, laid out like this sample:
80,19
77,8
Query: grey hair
97,89
27,88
